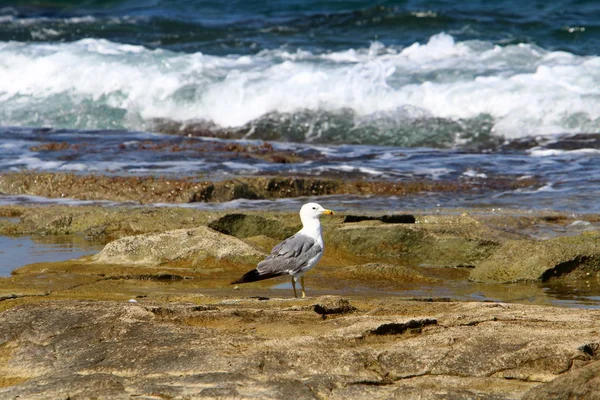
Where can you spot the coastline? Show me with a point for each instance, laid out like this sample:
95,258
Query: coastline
151,153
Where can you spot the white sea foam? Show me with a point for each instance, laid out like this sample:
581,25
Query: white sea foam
434,173
31,162
74,167
351,168
240,166
562,153
95,83
471,173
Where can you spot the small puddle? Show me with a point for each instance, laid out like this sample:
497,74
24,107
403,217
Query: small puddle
16,252
454,285
583,293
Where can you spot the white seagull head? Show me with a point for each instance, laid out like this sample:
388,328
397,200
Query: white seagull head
312,211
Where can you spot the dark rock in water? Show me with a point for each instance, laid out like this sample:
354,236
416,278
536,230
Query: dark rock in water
568,142
395,328
95,233
388,219
571,142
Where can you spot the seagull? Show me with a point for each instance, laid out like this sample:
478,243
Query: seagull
297,254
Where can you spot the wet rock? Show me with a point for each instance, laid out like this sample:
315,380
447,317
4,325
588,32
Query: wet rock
530,260
377,241
417,243
49,224
95,233
178,246
189,189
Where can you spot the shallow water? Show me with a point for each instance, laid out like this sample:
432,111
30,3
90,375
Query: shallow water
454,285
16,252
580,295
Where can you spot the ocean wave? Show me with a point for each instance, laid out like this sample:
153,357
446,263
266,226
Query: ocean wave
442,91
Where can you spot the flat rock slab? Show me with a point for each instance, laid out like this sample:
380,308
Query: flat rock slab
281,348
183,245
529,260
582,383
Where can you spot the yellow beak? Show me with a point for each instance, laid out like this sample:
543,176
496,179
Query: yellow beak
328,212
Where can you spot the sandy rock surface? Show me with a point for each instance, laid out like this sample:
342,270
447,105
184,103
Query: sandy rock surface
245,348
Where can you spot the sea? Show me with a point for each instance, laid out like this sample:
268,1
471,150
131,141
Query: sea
397,91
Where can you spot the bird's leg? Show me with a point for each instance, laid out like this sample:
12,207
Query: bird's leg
294,286
302,283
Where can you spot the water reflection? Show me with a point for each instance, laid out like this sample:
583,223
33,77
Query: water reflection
454,285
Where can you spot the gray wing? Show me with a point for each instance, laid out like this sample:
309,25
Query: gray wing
290,256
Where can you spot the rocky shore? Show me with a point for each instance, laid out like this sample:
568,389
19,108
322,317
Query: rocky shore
148,189
153,315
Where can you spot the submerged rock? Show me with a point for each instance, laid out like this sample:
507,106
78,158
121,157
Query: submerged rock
390,273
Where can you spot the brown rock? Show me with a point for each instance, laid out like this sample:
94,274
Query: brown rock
267,349
581,383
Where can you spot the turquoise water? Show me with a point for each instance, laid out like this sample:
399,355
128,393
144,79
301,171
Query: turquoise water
409,73
242,27
471,91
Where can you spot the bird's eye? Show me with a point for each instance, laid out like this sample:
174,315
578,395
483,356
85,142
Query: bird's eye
314,208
